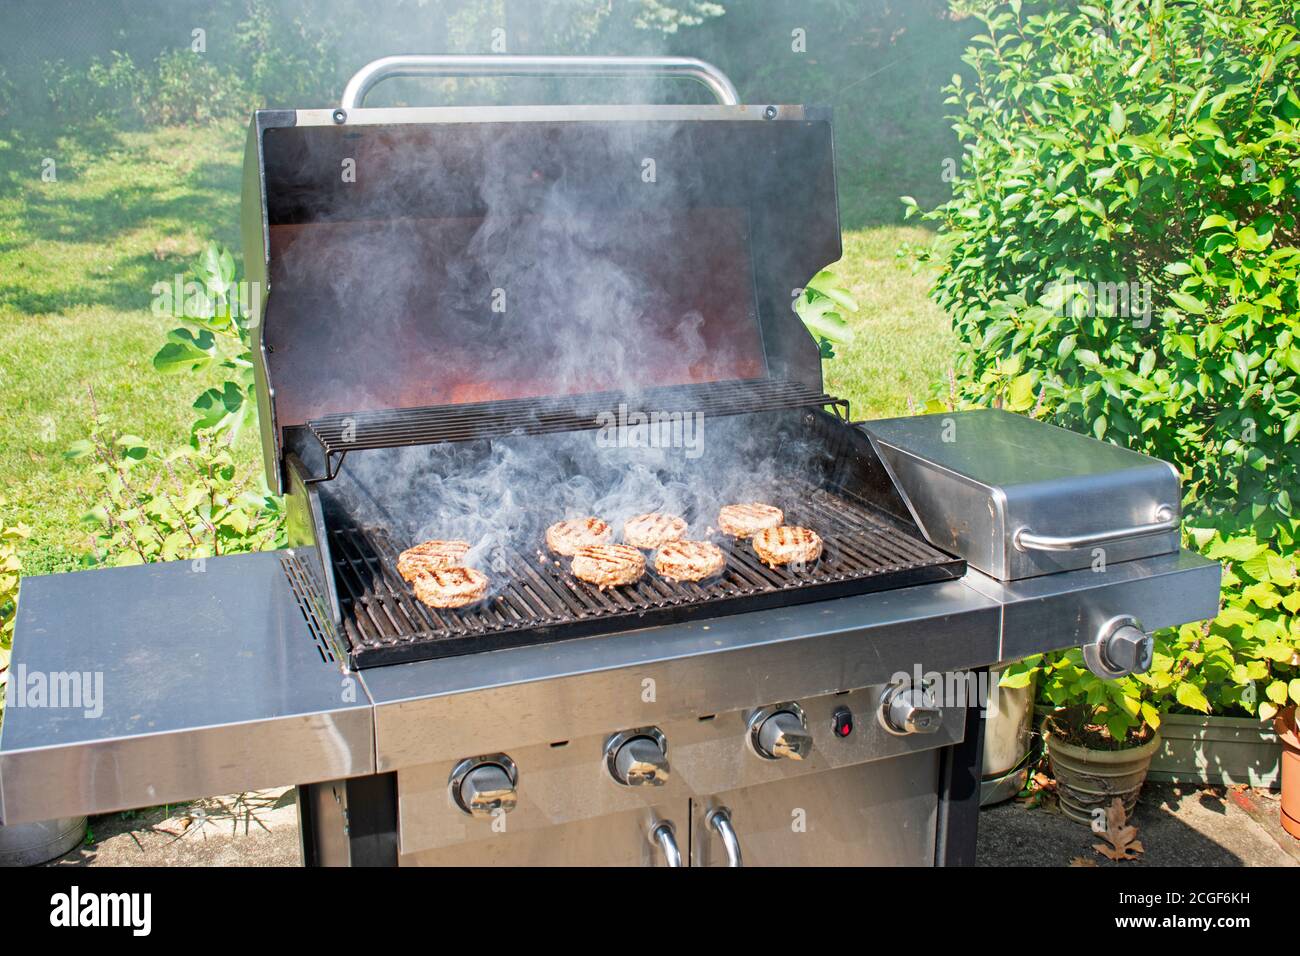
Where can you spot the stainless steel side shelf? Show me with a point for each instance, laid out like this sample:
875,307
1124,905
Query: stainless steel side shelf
193,678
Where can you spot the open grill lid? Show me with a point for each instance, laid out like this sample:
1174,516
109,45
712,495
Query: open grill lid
511,268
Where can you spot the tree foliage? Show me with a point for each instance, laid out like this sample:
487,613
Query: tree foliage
1120,256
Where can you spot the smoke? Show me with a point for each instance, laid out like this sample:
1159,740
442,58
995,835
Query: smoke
500,495
502,264
489,262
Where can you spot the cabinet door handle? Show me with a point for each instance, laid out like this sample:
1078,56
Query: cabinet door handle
664,835
720,820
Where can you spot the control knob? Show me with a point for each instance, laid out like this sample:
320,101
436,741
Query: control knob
1120,648
780,731
638,758
909,710
485,786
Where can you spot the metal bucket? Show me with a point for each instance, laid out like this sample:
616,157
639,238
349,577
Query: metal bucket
1008,722
30,844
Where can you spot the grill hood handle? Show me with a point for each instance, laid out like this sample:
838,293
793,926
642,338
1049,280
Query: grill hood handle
388,67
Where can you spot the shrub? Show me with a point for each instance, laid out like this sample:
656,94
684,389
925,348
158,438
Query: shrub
1120,256
189,88
178,87
289,57
112,89
188,502
6,94
215,335
191,501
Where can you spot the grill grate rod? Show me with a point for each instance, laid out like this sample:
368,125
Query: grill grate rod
339,434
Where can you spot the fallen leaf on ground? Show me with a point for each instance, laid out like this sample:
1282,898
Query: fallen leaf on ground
1121,838
1082,861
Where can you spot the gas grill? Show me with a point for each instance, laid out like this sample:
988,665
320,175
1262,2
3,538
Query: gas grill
481,321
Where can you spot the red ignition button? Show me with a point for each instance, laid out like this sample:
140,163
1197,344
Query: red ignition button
842,722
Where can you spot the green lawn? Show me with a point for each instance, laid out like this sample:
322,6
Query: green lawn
903,342
78,259
79,256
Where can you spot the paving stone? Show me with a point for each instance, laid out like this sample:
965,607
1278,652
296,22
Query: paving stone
1178,826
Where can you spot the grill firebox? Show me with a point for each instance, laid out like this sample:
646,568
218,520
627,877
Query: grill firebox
537,600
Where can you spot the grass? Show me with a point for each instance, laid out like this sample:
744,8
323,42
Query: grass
903,342
78,259
79,256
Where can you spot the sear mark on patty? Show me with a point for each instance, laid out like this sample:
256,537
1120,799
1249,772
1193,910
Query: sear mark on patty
742,521
431,556
450,587
566,537
689,560
787,544
608,565
653,530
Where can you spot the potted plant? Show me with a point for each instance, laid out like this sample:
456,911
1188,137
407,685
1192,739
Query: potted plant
1102,734
1287,725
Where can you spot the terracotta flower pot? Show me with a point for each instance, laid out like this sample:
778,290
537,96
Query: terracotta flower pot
1288,731
1087,779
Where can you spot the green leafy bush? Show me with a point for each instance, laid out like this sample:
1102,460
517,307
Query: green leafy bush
113,89
178,87
6,94
1120,257
191,501
182,86
820,306
188,502
215,308
190,88
1107,711
288,56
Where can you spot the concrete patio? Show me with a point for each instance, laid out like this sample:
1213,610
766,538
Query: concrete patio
1185,826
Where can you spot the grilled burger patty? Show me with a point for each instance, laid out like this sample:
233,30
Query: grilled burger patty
566,537
608,564
787,544
430,556
742,521
450,587
653,530
689,560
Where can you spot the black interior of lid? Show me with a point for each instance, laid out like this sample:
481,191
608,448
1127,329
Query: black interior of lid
441,264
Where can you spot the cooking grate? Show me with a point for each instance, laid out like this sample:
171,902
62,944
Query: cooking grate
536,600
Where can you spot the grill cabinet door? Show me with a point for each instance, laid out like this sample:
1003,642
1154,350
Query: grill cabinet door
618,839
881,813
